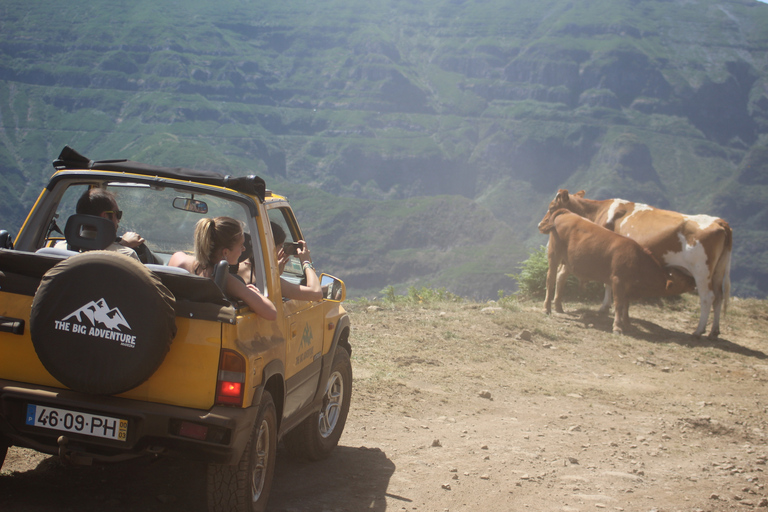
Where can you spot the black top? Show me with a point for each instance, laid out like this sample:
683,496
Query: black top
71,159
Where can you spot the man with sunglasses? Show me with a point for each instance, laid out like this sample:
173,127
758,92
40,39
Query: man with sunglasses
102,203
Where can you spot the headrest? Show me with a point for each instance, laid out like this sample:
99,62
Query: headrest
89,232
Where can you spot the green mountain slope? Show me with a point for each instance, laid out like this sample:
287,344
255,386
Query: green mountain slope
421,139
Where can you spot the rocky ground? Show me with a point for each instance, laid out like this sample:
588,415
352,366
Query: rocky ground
461,406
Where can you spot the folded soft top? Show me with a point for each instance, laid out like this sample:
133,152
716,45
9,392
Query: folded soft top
71,159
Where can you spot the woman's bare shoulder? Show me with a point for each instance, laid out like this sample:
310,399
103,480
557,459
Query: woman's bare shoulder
182,260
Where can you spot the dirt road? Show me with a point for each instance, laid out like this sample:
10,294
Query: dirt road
466,407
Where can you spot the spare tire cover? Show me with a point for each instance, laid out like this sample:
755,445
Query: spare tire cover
101,322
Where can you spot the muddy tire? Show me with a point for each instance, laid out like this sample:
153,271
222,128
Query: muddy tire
101,322
245,487
317,436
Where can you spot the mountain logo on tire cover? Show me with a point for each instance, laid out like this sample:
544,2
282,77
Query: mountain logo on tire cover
98,313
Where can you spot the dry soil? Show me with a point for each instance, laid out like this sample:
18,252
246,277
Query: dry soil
464,406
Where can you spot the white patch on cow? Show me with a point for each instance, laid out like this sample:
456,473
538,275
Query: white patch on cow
612,209
639,207
693,258
704,221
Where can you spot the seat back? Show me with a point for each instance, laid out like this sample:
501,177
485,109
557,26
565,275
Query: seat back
55,251
165,268
220,274
89,232
6,241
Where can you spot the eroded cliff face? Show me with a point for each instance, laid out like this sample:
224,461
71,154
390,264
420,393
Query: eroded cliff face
496,103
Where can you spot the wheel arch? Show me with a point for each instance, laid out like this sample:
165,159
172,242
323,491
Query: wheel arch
341,336
340,339
273,381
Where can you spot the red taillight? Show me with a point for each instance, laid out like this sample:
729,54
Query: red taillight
229,387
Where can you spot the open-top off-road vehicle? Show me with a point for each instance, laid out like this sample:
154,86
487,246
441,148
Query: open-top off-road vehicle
104,357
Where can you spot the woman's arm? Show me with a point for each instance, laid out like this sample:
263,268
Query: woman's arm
252,297
309,291
235,288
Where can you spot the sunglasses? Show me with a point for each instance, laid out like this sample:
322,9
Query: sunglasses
118,213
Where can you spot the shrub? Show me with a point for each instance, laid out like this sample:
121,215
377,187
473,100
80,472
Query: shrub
532,280
423,295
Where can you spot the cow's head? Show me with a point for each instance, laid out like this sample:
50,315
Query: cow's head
563,200
560,201
547,224
679,282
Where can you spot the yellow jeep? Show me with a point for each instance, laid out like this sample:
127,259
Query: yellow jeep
107,357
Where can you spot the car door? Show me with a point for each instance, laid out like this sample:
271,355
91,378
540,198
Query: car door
303,325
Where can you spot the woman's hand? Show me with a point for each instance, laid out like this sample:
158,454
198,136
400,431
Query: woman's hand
282,259
302,252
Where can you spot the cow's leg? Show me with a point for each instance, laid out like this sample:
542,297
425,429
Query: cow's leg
717,304
721,285
562,277
625,314
551,278
606,305
706,299
618,305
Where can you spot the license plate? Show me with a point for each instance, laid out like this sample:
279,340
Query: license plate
78,422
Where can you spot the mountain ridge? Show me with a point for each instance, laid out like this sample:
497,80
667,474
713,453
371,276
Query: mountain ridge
480,102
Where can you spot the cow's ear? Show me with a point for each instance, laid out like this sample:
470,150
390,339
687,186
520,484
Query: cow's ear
580,193
562,195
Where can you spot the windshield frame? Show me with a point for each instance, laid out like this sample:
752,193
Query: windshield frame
35,231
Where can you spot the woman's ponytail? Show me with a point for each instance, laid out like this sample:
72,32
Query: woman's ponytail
212,235
204,241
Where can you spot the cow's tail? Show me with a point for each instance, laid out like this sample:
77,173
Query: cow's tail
724,264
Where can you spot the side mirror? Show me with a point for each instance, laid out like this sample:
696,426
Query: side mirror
333,288
6,240
190,205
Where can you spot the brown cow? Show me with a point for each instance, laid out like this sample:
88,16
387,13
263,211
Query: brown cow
594,253
699,245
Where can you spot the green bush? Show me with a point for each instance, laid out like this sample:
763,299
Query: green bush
423,295
532,280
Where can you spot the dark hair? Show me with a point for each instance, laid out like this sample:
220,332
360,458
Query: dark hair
277,233
212,235
94,201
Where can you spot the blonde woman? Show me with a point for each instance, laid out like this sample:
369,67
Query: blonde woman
219,239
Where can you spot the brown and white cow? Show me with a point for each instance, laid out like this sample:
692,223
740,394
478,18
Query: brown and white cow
594,253
698,244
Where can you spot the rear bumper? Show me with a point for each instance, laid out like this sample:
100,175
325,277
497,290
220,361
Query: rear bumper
216,435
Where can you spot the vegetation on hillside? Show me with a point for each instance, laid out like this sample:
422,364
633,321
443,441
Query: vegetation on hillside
465,117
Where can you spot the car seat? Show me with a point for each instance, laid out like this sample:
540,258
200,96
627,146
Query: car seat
89,232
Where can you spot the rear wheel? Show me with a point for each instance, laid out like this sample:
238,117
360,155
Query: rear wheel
245,487
317,436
